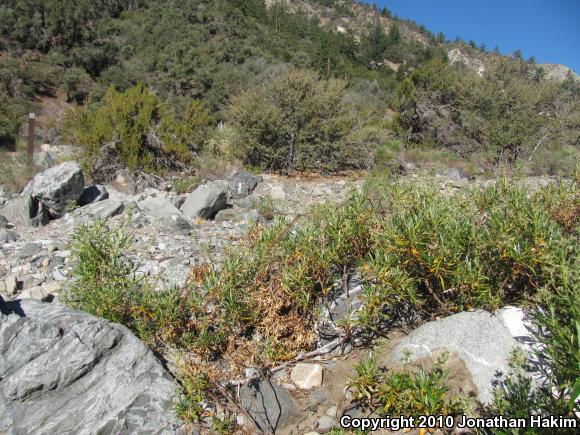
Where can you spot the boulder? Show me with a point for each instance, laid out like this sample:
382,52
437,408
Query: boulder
92,212
206,200
56,187
482,340
164,215
269,405
242,183
25,211
94,193
65,371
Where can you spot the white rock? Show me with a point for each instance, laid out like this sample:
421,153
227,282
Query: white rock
11,284
307,376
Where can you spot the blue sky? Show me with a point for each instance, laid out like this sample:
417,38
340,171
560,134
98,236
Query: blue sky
546,29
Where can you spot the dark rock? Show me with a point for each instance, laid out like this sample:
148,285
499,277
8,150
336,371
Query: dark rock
269,405
94,193
64,371
3,222
56,187
242,183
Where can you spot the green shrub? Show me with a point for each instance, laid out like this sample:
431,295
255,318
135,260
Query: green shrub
185,185
10,121
556,359
408,393
296,122
77,84
135,129
106,285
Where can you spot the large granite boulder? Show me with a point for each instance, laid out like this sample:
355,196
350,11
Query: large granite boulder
56,187
25,211
482,340
206,200
242,183
65,371
164,215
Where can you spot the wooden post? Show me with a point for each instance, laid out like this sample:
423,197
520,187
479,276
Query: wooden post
31,132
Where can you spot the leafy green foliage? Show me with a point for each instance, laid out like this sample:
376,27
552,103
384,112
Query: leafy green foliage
508,113
296,122
139,131
9,125
557,357
409,393
106,285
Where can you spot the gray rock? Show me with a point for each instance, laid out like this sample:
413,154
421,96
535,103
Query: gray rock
250,201
56,187
164,215
115,194
269,405
242,183
7,236
457,174
25,211
206,200
65,371
98,210
3,222
326,424
29,250
94,193
44,159
239,215
482,340
176,272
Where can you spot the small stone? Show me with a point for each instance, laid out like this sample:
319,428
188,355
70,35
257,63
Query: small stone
11,283
306,376
325,424
29,250
331,412
7,236
36,293
53,245
52,287
63,254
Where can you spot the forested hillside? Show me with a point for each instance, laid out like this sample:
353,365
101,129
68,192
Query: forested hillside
401,94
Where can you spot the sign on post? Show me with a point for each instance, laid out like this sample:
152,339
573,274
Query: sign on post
31,132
